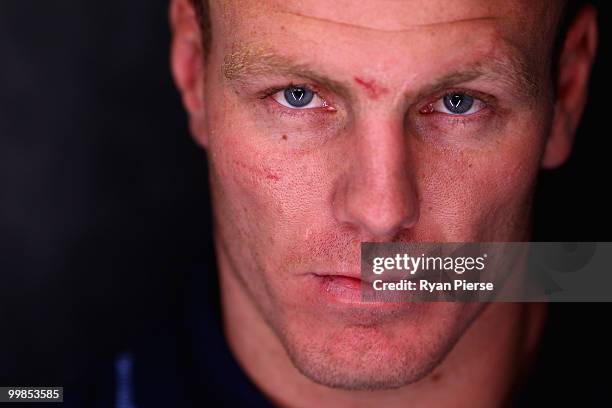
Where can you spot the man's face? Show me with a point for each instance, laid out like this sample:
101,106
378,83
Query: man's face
332,123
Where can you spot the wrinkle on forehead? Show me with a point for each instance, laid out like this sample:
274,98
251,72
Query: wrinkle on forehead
405,28
397,15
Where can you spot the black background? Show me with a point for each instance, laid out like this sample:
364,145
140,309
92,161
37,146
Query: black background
103,195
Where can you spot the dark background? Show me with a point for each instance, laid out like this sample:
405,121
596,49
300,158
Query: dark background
103,195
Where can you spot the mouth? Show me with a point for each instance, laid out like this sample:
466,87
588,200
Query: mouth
349,297
348,288
341,283
345,288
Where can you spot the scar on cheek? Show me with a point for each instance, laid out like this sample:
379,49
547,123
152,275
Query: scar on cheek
372,89
266,172
271,176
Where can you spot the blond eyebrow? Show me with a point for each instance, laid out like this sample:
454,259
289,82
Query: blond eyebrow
247,62
513,73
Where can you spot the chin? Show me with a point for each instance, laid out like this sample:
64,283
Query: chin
381,356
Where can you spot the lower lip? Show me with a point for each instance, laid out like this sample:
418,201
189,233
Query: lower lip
347,290
342,297
341,288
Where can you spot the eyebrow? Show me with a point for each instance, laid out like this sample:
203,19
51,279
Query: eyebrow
247,62
514,73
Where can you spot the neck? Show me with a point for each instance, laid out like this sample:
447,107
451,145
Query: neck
480,371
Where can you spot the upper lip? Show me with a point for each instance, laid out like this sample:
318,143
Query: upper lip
341,274
350,275
367,279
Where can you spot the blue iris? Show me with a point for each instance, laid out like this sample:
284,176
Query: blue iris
298,96
458,102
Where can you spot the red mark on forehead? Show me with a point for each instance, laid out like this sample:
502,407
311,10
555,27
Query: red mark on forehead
371,88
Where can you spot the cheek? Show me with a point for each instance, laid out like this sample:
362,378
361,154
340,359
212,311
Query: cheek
468,195
244,186
273,190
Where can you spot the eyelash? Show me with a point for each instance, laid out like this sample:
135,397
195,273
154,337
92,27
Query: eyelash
457,119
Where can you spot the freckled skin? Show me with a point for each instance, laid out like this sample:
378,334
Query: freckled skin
296,192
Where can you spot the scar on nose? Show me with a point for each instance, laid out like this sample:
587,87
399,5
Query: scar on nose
373,90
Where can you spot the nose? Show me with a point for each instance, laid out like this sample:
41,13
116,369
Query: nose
378,193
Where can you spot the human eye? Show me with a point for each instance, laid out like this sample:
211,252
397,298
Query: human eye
299,97
456,104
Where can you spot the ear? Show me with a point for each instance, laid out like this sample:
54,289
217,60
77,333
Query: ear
575,63
187,63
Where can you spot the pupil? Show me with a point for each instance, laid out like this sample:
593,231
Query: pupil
456,100
298,96
458,103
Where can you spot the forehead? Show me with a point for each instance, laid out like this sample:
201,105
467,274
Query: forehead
376,26
385,15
